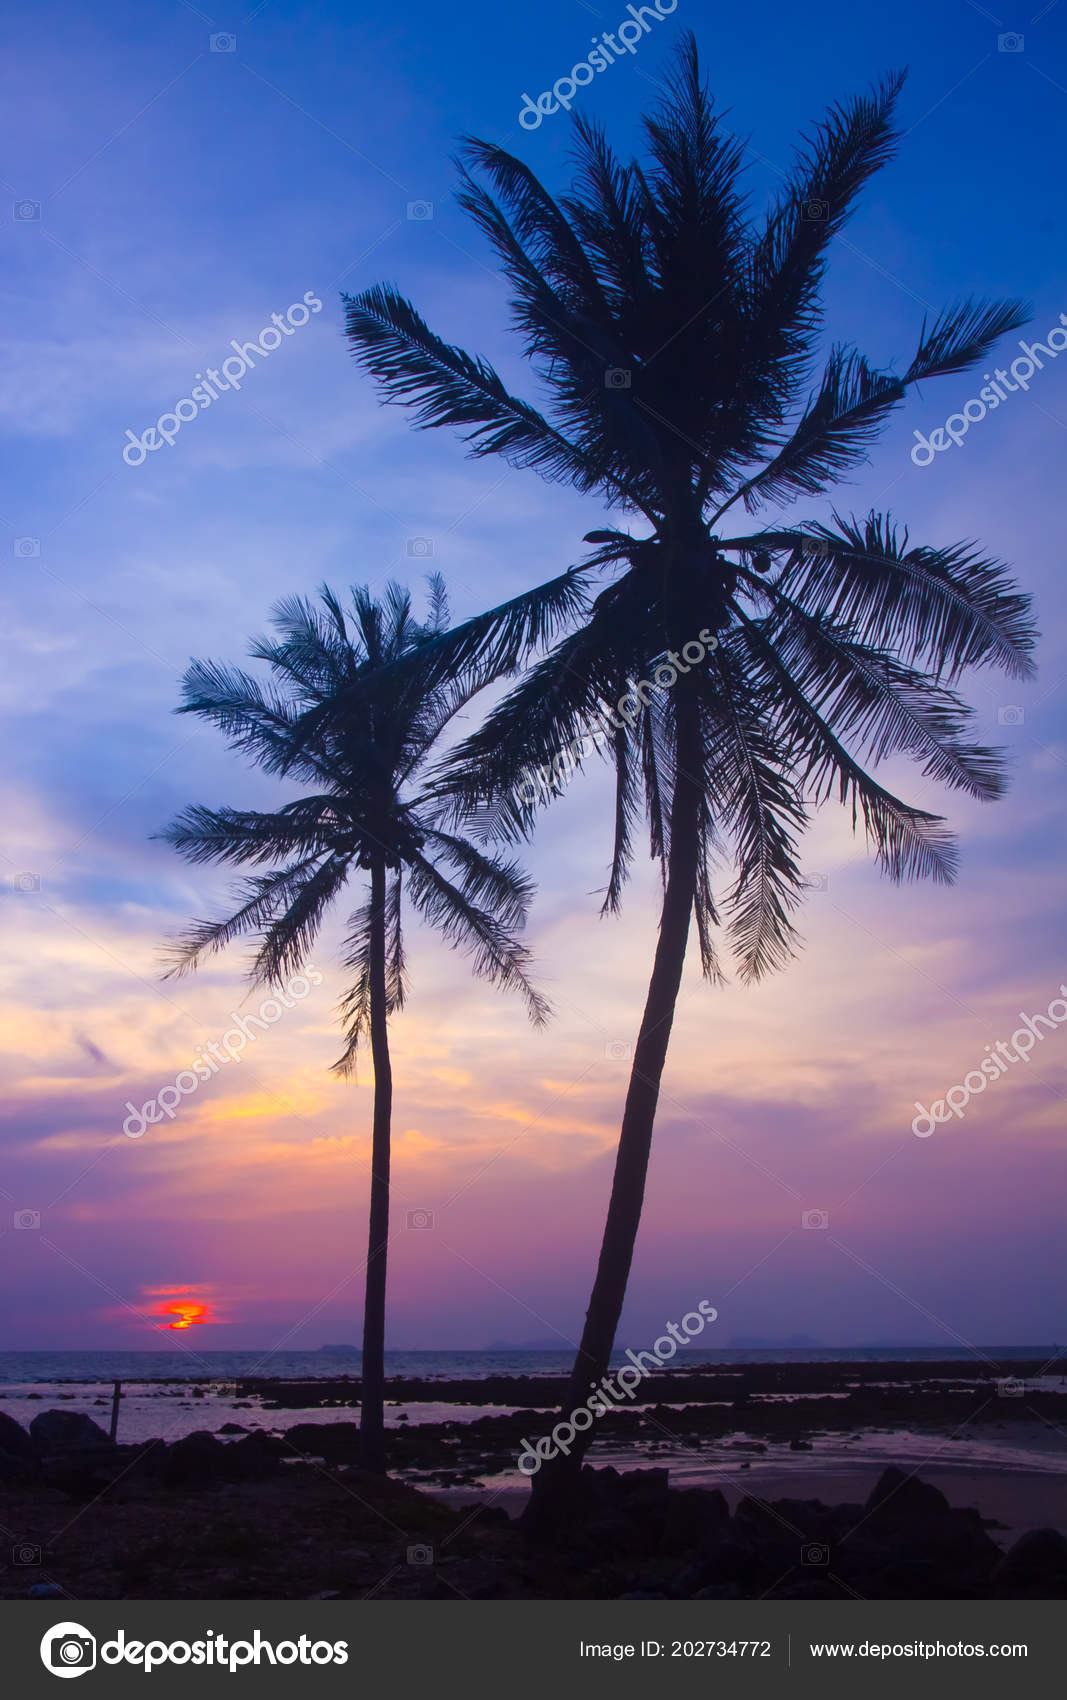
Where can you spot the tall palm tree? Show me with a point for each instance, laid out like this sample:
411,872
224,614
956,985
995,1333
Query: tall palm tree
676,338
366,813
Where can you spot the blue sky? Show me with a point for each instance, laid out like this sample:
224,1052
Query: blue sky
185,196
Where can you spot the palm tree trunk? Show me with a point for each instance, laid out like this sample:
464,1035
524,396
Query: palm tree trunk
372,1390
553,1495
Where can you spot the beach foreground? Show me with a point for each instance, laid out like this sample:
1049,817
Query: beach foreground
945,1486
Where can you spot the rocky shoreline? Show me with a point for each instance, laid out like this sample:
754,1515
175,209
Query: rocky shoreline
291,1515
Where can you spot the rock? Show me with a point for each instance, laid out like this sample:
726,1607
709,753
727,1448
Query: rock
14,1469
197,1460
801,1446
613,1513
61,1433
233,1428
77,1475
14,1439
914,1545
337,1443
897,1497
45,1591
1036,1564
696,1518
250,1459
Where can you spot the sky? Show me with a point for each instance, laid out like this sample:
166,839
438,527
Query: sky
170,179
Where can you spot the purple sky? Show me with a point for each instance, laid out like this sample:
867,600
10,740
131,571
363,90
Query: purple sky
187,194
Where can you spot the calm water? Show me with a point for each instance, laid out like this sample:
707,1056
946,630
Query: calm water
190,1365
170,1394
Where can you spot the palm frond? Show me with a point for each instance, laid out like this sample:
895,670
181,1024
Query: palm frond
467,926
445,386
355,1006
961,336
259,901
950,608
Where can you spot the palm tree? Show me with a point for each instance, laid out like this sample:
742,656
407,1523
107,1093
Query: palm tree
366,812
676,338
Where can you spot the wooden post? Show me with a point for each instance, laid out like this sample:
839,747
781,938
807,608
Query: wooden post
115,1397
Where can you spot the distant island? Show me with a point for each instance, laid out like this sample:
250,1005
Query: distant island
338,1349
792,1342
556,1345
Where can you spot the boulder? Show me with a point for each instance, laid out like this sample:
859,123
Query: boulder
898,1497
197,1460
1035,1565
67,1433
14,1469
14,1440
337,1443
250,1459
696,1518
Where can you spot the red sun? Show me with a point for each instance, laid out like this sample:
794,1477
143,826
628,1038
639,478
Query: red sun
185,1315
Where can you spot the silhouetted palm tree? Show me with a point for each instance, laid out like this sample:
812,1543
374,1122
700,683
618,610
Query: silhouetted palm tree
675,337
366,813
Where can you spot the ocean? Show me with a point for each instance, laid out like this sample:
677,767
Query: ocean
169,1394
189,1365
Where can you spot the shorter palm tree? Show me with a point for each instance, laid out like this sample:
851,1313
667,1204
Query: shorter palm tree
367,812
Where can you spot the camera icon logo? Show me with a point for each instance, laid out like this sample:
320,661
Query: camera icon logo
68,1650
420,548
26,212
1010,714
1009,1388
27,1219
26,882
223,43
818,882
816,212
814,1552
25,547
617,378
420,212
25,1553
817,1219
420,1555
617,1050
421,1219
1010,42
